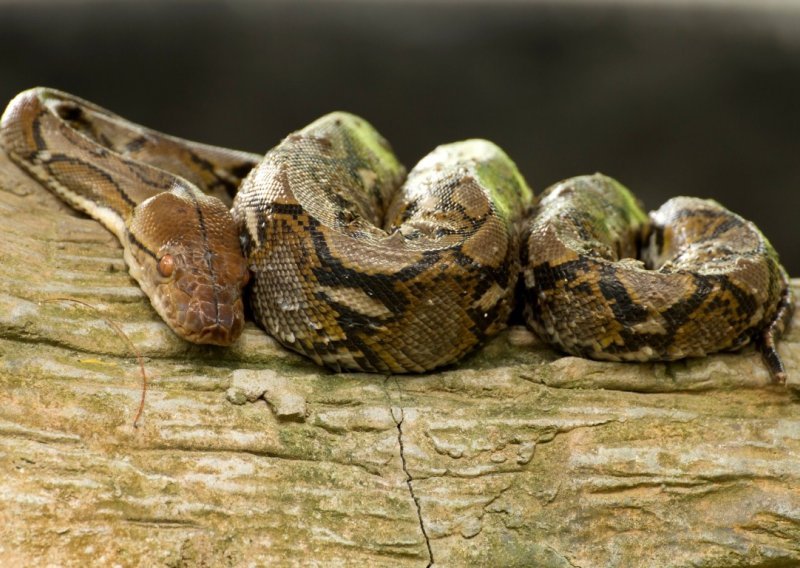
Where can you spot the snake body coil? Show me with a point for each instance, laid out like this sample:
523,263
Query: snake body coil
705,280
360,267
358,270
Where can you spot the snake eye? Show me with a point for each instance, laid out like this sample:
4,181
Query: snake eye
166,265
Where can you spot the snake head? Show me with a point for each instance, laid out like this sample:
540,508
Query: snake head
184,252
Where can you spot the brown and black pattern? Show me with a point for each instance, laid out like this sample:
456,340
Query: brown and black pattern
603,281
180,244
358,270
360,267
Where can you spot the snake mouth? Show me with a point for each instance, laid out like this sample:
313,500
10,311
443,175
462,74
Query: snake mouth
224,331
218,335
202,313
213,323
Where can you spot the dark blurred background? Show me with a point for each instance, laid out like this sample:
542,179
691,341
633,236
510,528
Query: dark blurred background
670,98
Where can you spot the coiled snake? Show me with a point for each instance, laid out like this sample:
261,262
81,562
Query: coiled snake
361,267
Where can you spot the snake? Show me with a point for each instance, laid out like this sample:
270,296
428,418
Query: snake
605,281
160,196
344,256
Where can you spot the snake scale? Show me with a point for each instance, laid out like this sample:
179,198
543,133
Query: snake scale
360,266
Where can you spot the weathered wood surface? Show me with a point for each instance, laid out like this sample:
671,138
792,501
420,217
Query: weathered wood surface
253,456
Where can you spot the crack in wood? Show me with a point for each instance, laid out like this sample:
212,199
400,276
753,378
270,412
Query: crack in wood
409,479
410,482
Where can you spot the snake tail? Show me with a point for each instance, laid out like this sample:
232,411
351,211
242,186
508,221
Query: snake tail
605,281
